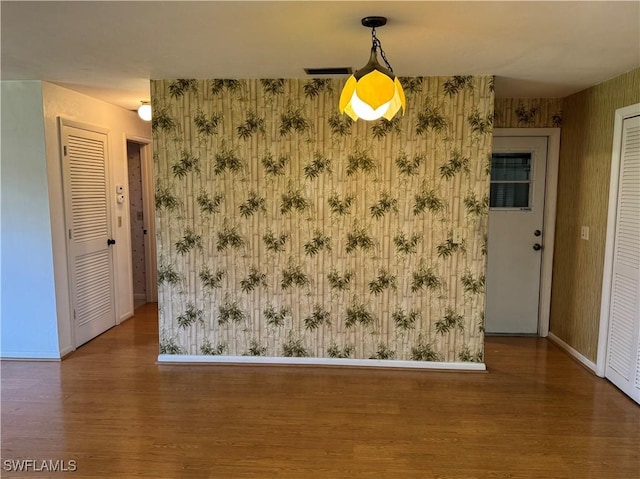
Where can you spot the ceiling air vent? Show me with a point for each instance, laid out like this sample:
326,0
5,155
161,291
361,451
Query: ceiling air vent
329,71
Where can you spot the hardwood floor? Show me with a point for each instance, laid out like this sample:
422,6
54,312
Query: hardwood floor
109,407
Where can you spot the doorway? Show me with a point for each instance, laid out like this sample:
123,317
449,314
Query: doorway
521,230
136,217
142,226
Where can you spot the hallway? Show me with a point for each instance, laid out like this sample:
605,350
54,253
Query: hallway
536,413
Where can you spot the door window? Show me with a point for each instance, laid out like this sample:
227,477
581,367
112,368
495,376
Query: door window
510,180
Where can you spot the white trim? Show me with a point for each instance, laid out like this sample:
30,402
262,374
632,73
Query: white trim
549,224
124,316
29,356
376,363
83,126
137,139
607,273
66,351
562,345
60,124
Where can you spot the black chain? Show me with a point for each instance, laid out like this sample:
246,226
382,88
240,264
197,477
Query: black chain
378,46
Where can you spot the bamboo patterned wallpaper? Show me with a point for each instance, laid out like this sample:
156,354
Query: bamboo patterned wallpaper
285,229
583,199
528,113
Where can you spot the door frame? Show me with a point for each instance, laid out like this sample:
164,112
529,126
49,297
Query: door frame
621,114
148,212
549,222
71,287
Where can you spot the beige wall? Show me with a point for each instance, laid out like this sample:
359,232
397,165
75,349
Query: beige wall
583,189
70,105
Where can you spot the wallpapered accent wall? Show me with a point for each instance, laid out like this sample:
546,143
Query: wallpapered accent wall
528,113
286,229
583,199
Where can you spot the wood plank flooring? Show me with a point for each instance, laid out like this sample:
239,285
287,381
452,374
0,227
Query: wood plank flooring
535,414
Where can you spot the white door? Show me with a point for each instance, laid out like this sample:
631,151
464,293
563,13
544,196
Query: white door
516,236
623,345
84,162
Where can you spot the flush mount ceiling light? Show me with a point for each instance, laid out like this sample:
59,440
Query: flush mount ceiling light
373,91
144,111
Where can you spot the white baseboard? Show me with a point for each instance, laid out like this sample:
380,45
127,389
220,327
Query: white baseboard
66,351
29,356
125,316
575,354
376,363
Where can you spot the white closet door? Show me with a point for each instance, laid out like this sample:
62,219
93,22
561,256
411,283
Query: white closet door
87,219
623,349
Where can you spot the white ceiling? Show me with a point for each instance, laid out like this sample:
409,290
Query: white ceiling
111,49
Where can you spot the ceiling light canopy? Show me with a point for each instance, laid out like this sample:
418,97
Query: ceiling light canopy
373,91
144,111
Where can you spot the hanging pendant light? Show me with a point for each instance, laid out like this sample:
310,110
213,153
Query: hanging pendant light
373,91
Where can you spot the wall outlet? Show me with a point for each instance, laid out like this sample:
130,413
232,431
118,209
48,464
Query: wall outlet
457,236
584,233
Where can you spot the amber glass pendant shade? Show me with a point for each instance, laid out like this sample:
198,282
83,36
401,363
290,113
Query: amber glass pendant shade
373,91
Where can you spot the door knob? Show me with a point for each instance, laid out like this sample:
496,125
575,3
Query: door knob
110,242
537,246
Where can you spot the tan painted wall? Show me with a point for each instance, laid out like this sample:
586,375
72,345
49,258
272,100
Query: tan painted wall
71,105
583,189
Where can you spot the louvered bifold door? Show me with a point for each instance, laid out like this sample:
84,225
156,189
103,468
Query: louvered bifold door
87,220
623,349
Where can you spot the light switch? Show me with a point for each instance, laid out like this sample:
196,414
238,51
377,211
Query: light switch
584,233
457,236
